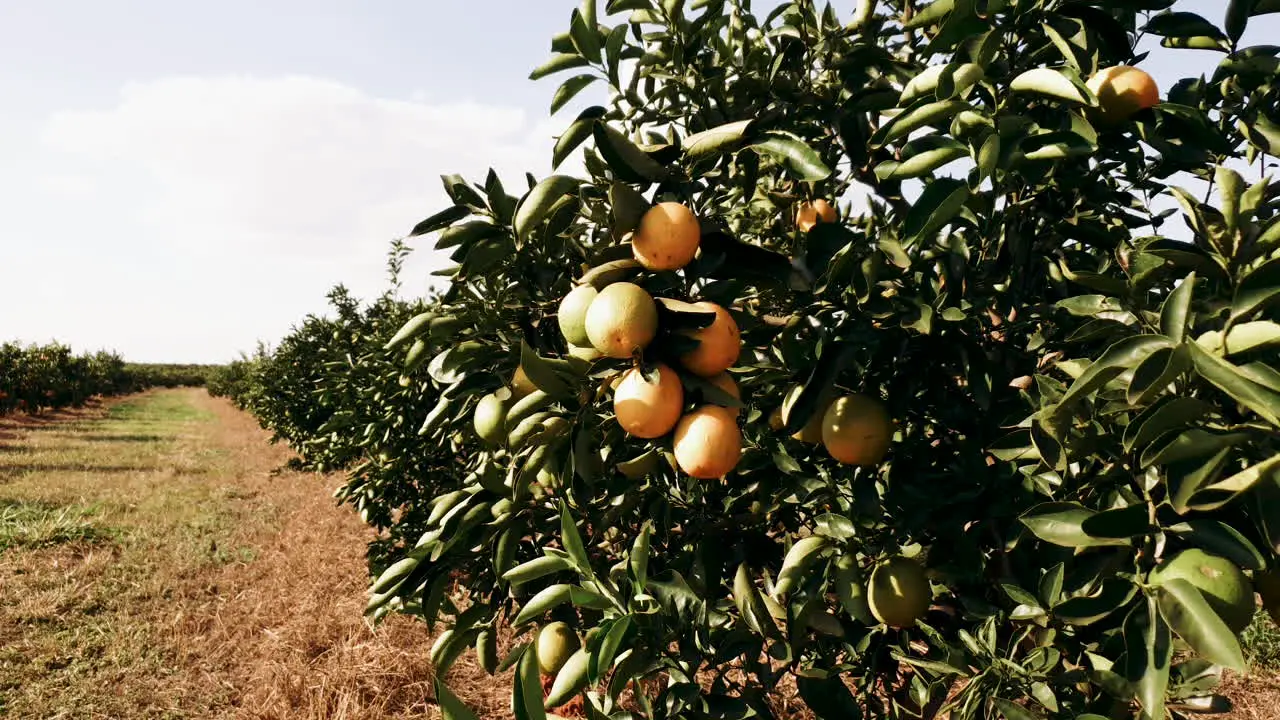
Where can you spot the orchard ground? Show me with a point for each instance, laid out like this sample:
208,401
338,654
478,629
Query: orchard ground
156,563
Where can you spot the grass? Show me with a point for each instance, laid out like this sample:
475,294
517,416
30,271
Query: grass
113,504
1261,642
153,565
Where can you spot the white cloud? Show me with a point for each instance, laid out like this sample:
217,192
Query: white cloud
302,180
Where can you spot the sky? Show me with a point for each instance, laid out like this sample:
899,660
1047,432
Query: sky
182,180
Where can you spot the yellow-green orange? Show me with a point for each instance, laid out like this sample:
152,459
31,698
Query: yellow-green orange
572,314
812,431
708,442
648,409
621,320
586,353
1222,583
809,214
899,592
1122,91
490,416
556,642
667,237
719,344
856,430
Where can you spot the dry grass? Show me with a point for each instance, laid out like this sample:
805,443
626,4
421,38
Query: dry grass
196,583
154,565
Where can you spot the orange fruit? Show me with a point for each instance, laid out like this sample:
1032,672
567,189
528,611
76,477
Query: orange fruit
648,409
1222,583
708,443
622,319
572,314
812,431
556,642
719,344
809,214
1123,91
667,237
899,593
725,382
856,430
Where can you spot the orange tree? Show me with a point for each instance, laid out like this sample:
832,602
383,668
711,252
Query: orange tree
1081,483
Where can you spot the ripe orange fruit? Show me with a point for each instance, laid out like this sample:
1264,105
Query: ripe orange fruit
725,382
556,642
718,344
899,593
809,214
572,314
622,319
645,409
812,431
856,430
1222,583
708,443
1122,91
667,237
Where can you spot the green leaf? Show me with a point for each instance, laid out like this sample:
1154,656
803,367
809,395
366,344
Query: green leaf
543,601
638,558
1148,651
1125,522
1191,617
557,63
526,687
1237,17
442,219
802,161
602,659
572,543
537,568
1061,523
543,373
1215,495
628,162
921,157
717,140
828,698
1167,414
919,114
1113,594
573,136
1176,310
750,604
1052,83
1221,539
1013,711
941,201
931,14
1229,379
451,708
539,201
1154,374
568,90
817,387
417,325
1259,288
1184,25
1243,338
585,35
1121,356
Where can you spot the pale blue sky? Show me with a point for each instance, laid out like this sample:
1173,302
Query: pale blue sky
180,179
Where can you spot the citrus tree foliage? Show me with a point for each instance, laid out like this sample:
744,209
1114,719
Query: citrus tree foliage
333,393
38,377
1084,383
